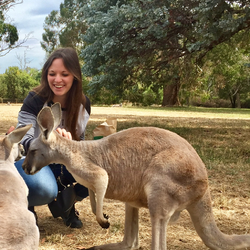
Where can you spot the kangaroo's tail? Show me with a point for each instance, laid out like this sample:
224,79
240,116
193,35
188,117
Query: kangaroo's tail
203,219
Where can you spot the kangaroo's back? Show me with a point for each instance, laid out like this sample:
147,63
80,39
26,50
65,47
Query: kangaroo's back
133,157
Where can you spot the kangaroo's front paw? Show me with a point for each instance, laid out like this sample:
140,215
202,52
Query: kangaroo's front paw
104,224
106,216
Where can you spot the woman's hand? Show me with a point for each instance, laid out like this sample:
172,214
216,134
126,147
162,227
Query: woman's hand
64,133
10,130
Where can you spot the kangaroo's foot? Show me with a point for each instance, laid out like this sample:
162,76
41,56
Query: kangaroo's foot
114,246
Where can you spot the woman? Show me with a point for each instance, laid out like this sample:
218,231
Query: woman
61,82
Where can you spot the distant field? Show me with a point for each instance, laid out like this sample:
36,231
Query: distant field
221,138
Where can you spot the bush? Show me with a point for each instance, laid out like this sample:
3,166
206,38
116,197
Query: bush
246,104
213,103
148,98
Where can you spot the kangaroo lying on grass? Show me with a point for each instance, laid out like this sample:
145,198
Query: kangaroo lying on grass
18,228
143,167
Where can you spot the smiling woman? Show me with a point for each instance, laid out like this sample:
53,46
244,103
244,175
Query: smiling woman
61,82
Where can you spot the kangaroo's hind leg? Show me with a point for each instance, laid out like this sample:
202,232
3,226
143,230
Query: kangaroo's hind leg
131,234
159,223
162,209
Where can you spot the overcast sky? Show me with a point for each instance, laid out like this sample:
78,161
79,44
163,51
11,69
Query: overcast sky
29,17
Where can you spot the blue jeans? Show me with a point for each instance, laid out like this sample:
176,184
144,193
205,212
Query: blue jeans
43,187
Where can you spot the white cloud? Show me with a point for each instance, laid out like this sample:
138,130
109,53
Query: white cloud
29,17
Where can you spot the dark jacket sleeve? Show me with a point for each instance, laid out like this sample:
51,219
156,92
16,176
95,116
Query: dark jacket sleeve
32,104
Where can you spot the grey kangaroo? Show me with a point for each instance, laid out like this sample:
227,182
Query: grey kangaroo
143,167
18,228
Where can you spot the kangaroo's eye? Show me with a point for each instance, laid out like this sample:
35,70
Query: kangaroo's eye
32,152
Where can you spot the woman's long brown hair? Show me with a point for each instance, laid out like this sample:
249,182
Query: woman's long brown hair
75,95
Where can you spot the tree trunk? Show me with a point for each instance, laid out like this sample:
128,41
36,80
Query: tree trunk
170,93
238,100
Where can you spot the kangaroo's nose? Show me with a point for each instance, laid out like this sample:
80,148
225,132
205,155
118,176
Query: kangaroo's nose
25,168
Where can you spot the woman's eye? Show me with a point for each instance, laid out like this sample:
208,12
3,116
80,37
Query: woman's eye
61,75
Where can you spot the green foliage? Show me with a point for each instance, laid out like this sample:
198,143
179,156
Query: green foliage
3,87
18,83
139,94
49,40
34,74
139,50
134,94
8,32
150,98
226,72
143,39
104,96
217,21
64,28
123,37
85,84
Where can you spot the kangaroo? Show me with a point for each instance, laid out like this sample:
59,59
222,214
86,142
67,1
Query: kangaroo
143,167
18,228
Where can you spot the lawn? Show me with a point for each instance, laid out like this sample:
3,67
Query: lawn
221,138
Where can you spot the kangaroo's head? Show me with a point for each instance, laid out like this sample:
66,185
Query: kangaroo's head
40,152
10,148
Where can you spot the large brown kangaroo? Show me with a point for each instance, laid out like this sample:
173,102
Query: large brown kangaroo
143,167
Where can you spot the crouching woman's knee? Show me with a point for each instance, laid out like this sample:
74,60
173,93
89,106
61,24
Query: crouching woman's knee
42,185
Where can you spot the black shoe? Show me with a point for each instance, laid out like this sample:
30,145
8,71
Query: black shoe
32,209
73,220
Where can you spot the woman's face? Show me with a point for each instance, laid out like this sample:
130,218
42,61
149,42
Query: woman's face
59,78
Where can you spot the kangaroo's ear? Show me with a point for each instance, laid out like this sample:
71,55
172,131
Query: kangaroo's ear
45,120
57,113
16,135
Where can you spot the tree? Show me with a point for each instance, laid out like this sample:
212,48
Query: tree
50,37
9,39
3,87
18,83
228,63
64,28
153,40
23,61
